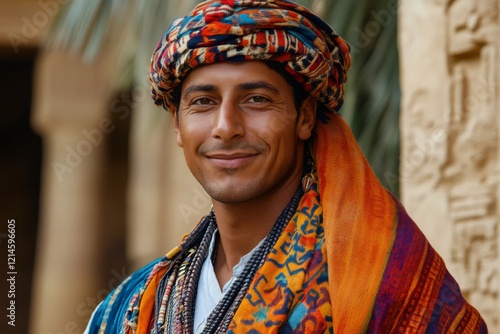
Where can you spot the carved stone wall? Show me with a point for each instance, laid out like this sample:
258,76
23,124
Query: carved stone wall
450,164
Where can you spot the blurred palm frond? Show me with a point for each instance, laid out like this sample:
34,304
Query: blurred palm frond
129,28
372,92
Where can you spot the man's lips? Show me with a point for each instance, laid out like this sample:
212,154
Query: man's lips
231,160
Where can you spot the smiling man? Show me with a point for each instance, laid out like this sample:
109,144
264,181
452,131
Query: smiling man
302,238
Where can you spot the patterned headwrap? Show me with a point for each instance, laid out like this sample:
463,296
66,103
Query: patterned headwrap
238,30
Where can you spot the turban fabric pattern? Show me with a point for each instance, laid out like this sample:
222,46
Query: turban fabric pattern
350,260
230,30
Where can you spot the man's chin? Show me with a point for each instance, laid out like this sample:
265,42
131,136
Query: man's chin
230,197
233,194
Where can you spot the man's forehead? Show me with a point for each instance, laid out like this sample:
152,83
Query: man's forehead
243,75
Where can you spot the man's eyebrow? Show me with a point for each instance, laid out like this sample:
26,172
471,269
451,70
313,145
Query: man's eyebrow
257,85
198,88
243,86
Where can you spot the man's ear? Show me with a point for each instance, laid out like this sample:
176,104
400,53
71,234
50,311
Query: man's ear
175,118
307,118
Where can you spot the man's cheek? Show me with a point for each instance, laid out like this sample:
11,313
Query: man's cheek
278,122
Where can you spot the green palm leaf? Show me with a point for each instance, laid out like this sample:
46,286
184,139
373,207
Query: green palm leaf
372,90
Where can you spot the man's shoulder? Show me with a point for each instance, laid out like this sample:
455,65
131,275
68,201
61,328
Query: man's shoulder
135,281
113,309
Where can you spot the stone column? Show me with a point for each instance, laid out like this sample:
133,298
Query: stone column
450,122
71,102
147,171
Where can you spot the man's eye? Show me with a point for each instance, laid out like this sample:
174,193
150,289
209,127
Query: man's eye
202,101
258,99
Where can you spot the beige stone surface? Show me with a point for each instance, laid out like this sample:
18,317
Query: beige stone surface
450,123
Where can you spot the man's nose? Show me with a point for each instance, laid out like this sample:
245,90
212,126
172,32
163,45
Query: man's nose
228,122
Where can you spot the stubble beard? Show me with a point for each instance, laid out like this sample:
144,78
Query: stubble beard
233,192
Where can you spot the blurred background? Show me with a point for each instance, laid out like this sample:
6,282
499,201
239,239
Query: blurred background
97,187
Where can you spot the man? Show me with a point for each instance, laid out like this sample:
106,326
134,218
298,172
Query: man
302,238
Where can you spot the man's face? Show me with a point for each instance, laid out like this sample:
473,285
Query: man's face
242,137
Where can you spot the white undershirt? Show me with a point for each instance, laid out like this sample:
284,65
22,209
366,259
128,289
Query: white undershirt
209,293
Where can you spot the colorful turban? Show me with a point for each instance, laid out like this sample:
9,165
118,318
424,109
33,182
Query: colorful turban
271,30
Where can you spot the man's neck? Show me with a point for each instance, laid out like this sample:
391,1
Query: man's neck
243,226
